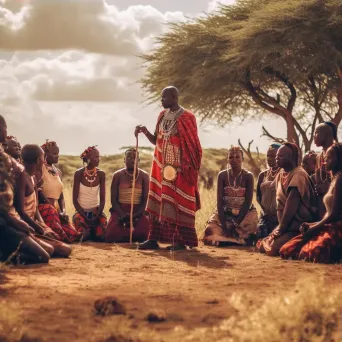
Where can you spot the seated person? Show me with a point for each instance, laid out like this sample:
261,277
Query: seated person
325,136
118,229
309,164
13,148
235,219
322,241
15,235
266,194
296,200
27,203
89,197
51,198
15,167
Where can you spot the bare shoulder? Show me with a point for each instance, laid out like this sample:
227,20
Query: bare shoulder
118,173
79,171
222,174
144,173
262,174
248,175
101,173
338,182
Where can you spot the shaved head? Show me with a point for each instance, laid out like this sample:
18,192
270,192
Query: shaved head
3,129
172,90
170,97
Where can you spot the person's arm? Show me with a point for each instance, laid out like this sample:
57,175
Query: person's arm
258,189
102,176
76,192
151,137
61,200
291,207
16,223
20,204
249,198
220,193
145,187
335,213
115,194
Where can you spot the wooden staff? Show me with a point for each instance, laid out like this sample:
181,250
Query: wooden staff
133,191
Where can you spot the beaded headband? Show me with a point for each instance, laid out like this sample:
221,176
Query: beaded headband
45,147
88,150
235,149
11,137
274,146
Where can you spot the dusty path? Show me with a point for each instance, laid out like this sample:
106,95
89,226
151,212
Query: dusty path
192,288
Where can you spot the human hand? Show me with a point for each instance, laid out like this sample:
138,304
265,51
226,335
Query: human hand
305,227
64,217
140,129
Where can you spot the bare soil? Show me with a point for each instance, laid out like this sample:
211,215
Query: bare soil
187,289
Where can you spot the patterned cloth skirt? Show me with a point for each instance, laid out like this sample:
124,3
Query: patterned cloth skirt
326,247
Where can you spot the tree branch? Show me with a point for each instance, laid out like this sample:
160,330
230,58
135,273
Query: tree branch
254,166
267,134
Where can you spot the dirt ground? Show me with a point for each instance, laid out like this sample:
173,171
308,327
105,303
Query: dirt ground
191,288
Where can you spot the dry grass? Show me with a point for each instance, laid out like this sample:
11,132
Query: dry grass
11,325
307,314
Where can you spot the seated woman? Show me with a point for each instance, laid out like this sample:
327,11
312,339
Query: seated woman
322,241
266,194
15,235
51,199
27,203
89,197
13,148
235,219
118,229
325,136
296,201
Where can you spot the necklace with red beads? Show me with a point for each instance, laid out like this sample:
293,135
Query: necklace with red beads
90,175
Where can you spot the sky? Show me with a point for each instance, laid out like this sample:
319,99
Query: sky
69,72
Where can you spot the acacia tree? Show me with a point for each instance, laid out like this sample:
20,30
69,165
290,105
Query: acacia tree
256,57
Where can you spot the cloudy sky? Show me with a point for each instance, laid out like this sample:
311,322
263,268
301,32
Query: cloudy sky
68,71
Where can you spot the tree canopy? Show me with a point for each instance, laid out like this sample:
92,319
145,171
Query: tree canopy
256,57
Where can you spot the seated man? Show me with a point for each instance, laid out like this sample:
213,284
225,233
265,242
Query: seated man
15,235
118,229
296,200
27,203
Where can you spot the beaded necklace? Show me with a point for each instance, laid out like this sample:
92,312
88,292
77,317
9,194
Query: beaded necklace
52,169
229,171
323,173
131,176
284,176
271,175
90,175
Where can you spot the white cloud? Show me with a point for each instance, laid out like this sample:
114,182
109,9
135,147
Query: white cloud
89,26
92,25
215,4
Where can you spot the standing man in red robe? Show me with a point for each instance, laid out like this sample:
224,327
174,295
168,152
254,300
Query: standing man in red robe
173,194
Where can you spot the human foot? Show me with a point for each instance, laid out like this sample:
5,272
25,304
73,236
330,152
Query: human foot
176,247
149,245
